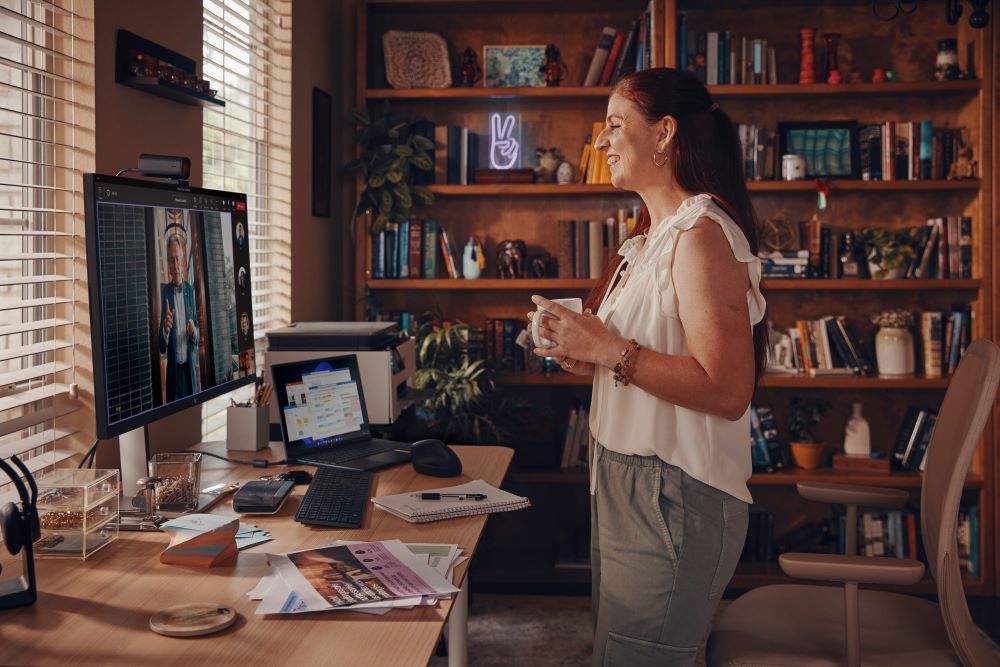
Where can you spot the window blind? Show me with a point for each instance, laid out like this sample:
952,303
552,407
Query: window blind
245,148
46,55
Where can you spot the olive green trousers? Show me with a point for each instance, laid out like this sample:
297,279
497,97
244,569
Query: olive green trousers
663,548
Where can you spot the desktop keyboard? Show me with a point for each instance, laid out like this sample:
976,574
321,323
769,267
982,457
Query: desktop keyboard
336,497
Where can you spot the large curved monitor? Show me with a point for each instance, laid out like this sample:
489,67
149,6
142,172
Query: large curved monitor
170,307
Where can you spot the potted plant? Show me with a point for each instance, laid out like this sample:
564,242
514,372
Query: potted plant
457,396
894,342
889,252
803,417
390,149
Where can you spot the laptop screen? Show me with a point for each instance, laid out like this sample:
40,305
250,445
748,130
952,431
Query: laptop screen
320,402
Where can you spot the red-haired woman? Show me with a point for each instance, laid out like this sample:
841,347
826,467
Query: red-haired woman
674,338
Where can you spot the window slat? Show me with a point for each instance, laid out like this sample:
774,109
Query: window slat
33,280
37,348
37,325
23,398
36,418
32,373
32,303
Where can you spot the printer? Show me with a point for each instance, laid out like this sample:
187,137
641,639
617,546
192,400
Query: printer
385,360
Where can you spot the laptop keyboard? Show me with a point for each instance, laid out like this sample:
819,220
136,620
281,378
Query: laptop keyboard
338,455
336,497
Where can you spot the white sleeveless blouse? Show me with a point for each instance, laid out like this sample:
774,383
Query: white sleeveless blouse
628,419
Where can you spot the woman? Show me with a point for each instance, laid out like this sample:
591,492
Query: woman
675,348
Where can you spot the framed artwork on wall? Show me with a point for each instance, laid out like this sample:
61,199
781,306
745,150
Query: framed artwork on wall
830,148
514,66
321,167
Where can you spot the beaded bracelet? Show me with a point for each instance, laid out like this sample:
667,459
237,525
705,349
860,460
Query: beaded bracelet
624,367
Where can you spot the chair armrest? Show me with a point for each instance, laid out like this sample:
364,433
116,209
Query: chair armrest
854,569
854,494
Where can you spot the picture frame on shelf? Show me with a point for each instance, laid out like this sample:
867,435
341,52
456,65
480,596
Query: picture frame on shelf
514,66
830,148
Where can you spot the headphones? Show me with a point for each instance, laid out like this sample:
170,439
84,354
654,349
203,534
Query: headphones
21,529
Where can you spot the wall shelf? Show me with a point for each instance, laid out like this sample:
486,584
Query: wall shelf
171,91
766,382
536,189
128,44
602,92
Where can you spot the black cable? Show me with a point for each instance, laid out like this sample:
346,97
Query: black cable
256,463
88,457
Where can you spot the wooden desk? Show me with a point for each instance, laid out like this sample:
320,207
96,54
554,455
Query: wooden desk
97,612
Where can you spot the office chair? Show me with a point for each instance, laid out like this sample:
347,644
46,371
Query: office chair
820,626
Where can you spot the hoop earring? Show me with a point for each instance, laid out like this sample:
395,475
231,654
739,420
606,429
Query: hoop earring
658,153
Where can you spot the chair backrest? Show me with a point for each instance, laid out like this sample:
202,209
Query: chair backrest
964,412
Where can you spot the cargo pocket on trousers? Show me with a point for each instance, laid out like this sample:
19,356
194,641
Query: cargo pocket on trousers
622,651
735,516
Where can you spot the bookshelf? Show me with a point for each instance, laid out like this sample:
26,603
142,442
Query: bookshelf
562,116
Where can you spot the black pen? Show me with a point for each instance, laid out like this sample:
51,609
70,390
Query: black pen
461,496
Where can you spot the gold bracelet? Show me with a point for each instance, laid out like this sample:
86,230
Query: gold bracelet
623,368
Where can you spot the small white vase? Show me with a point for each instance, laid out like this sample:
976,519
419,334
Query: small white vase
894,352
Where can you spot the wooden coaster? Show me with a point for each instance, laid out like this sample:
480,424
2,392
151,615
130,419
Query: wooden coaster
191,620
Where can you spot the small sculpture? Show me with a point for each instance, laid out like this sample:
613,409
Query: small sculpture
470,71
555,69
963,166
878,75
549,160
510,258
541,265
564,174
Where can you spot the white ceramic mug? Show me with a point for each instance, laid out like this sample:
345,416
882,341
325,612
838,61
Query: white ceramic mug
575,304
793,167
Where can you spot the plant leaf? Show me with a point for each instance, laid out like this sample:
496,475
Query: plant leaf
422,194
376,180
394,176
402,192
360,116
402,151
422,162
385,204
422,142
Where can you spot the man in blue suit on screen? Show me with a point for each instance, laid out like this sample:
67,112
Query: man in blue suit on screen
179,331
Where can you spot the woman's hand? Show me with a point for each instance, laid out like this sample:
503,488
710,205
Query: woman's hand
580,338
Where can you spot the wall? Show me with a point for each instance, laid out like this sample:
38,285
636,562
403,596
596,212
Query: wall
130,122
319,246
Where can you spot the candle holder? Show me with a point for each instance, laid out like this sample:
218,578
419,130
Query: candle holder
832,41
807,68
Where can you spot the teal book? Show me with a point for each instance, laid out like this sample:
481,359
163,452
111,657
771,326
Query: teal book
430,248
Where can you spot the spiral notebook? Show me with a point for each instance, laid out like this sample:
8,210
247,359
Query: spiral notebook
412,508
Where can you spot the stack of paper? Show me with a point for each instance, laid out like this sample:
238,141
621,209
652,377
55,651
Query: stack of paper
187,526
372,577
476,497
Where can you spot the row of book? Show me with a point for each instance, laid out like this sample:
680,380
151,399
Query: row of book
724,57
500,343
620,52
411,249
575,442
909,450
944,249
586,246
896,534
944,337
594,168
767,452
759,546
455,154
907,150
829,346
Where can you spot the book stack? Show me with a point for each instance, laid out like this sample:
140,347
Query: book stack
944,338
910,445
416,248
830,346
758,152
784,264
724,57
908,150
621,52
586,246
575,445
594,168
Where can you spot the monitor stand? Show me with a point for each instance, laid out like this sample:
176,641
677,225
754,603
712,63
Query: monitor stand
136,510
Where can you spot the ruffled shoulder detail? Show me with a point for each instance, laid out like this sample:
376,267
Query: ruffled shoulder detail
631,247
702,206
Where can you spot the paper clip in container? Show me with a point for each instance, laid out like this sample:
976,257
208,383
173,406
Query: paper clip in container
247,428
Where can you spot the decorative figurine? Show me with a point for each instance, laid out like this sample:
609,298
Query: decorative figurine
807,68
555,69
511,255
473,259
470,71
564,174
946,66
549,160
832,41
878,75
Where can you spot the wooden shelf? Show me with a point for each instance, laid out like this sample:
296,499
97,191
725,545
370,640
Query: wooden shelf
602,92
767,382
772,284
791,477
172,91
547,189
483,284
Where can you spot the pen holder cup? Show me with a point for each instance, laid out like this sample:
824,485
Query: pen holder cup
180,480
247,428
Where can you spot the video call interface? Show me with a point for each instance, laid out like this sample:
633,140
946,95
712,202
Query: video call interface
321,404
174,273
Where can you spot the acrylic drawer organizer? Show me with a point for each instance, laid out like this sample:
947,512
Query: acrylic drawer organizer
78,512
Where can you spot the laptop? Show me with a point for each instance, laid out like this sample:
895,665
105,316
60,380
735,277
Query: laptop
323,417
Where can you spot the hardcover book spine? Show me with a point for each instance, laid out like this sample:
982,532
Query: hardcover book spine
600,56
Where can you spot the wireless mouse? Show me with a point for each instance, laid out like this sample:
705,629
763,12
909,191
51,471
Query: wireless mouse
433,457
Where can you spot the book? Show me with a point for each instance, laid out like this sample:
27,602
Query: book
625,63
411,507
600,56
609,63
